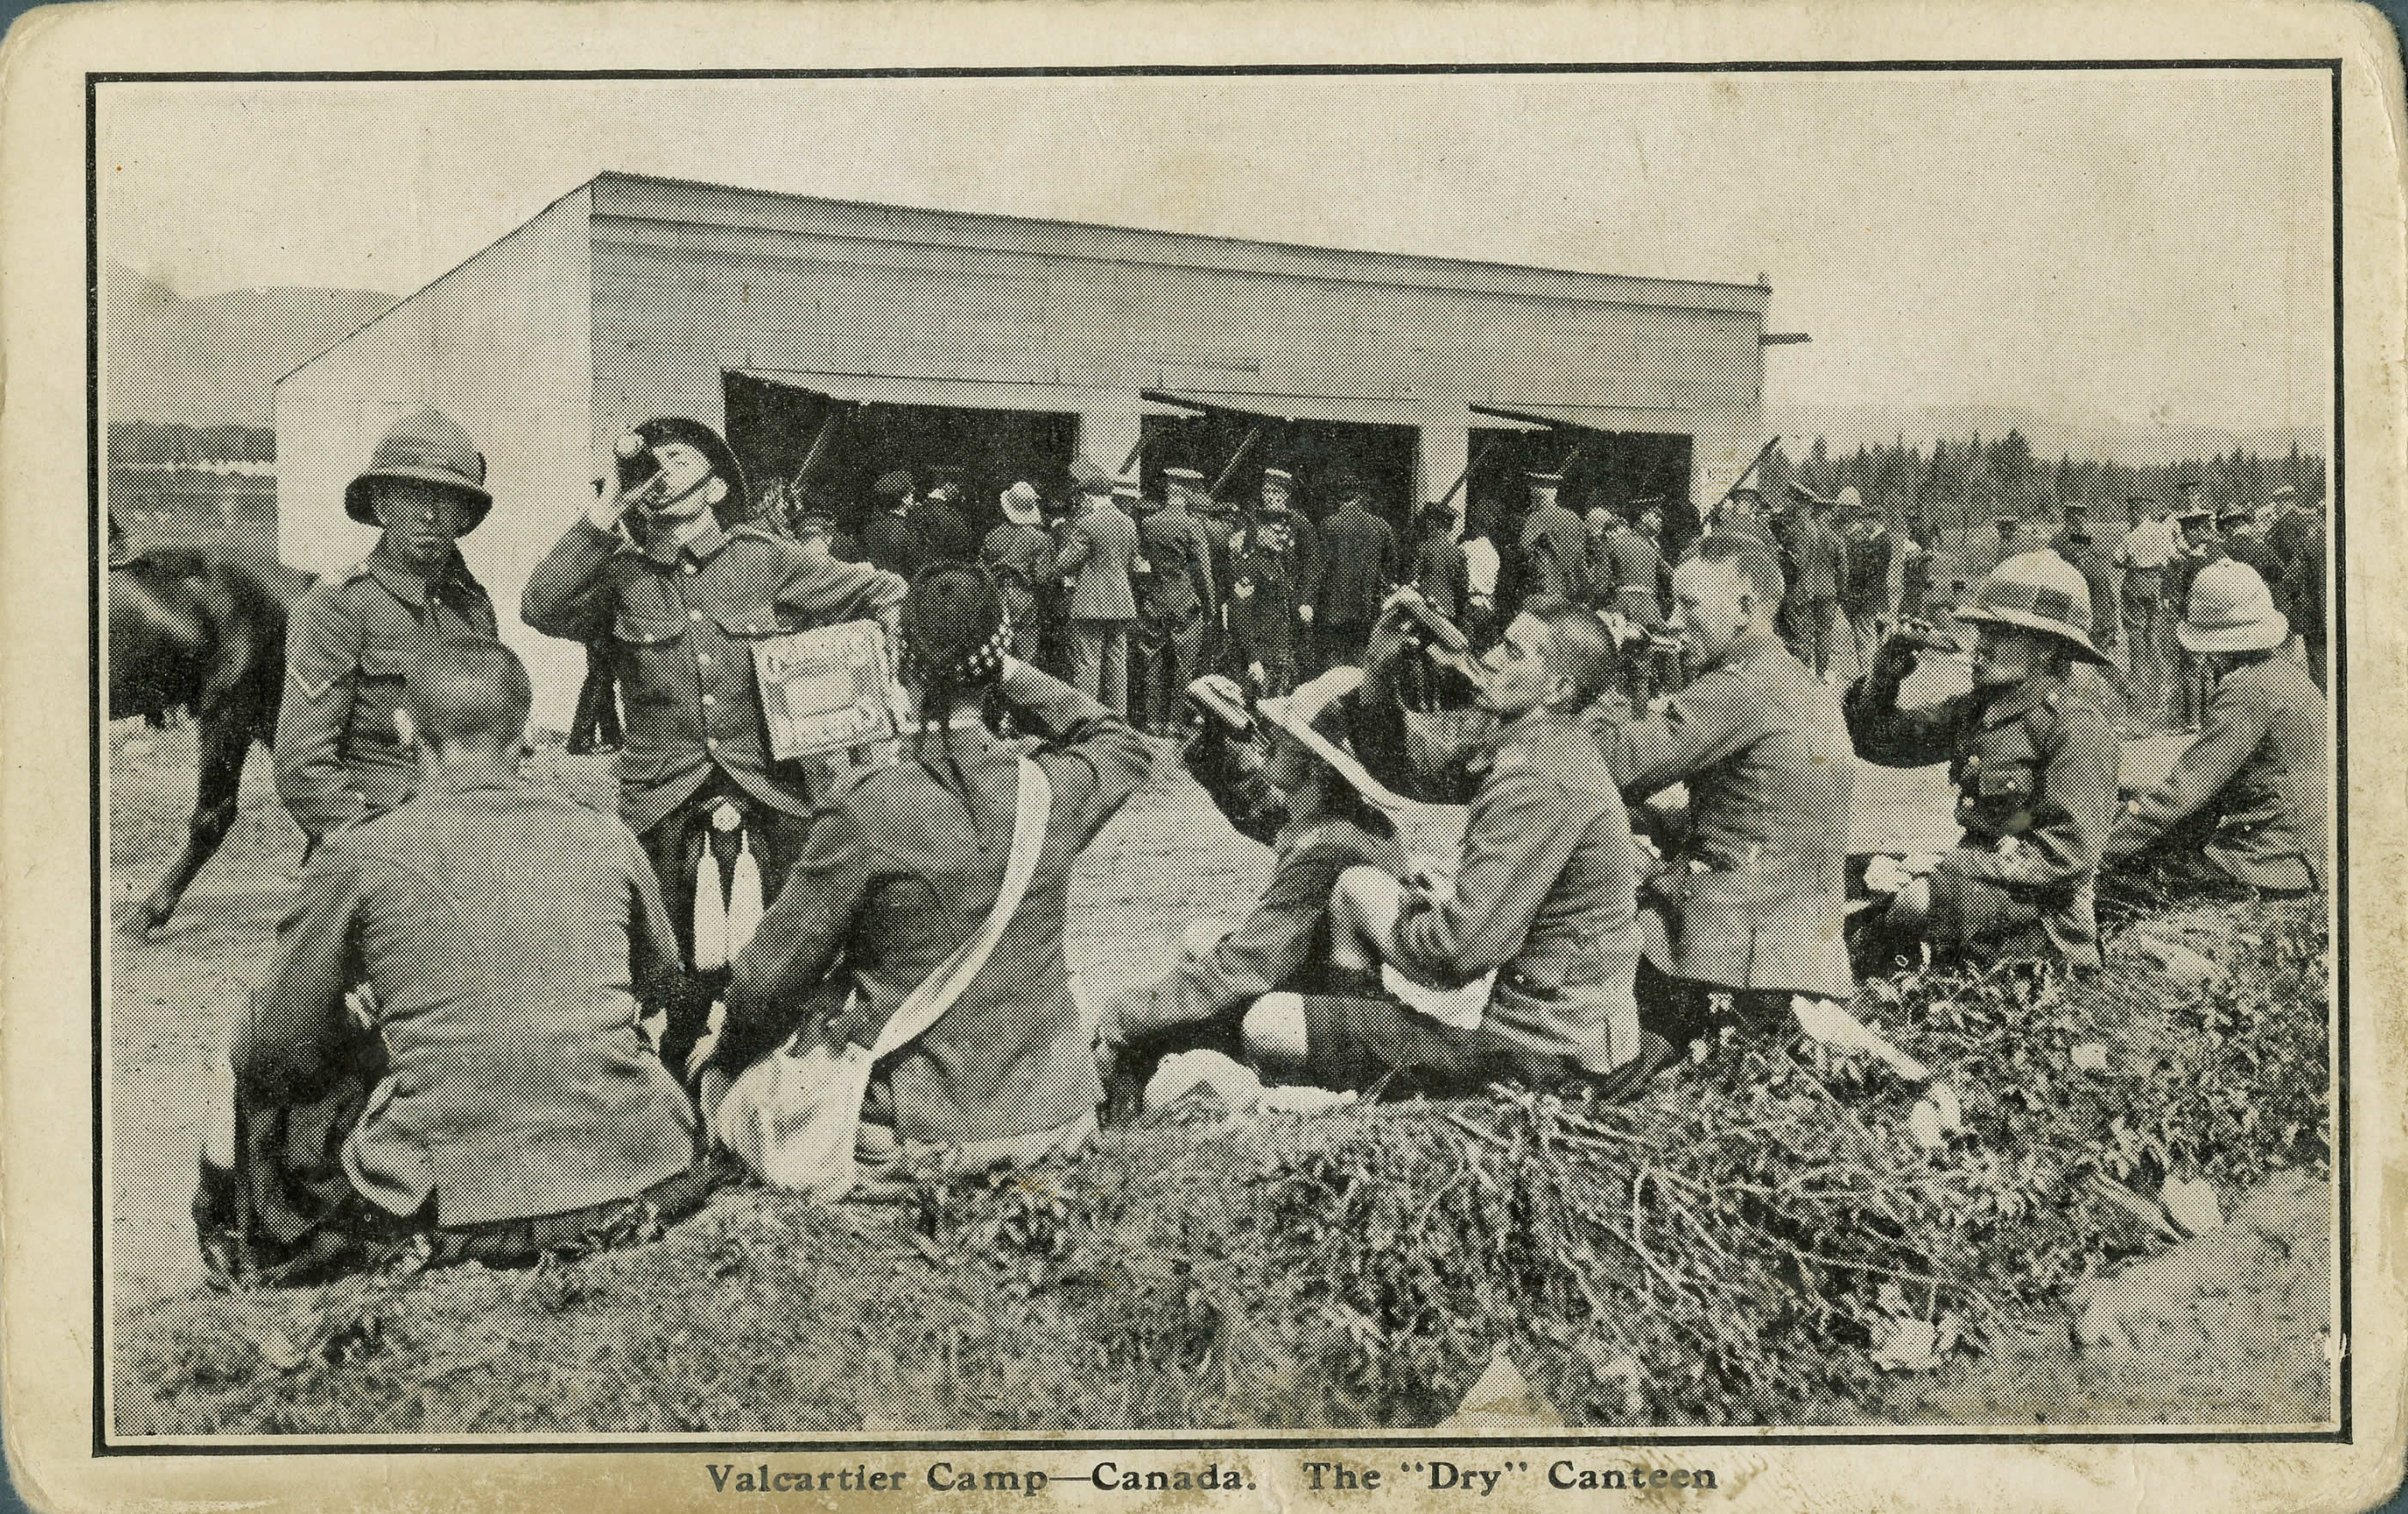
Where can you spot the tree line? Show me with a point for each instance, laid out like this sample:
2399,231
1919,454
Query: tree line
159,443
1954,484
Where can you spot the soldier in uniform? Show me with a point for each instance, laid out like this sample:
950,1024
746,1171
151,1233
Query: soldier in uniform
2245,803
1019,555
1865,602
2149,544
444,1053
1098,554
2074,545
1308,565
2197,545
891,537
1632,568
1541,894
1305,798
1753,892
354,639
1554,546
1358,570
1264,609
905,865
2034,761
945,530
664,562
1814,595
1176,597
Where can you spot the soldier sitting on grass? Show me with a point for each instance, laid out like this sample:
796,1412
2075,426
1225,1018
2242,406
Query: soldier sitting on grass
2034,760
1305,798
1540,895
2245,805
445,1060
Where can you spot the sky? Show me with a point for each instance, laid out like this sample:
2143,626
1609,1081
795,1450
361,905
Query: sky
2142,247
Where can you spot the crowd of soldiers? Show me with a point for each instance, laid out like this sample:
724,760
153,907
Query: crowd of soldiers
499,1024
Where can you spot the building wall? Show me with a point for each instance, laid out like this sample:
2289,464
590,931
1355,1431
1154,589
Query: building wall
504,343
690,280
631,297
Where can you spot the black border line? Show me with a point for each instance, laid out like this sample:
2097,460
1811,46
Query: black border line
1005,1441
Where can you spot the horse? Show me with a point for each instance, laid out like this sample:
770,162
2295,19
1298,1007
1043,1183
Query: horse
205,633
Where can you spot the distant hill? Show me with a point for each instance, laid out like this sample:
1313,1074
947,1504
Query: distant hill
214,361
2091,437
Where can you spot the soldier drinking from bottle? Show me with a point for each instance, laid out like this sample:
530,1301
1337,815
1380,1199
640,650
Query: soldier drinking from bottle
664,562
2034,760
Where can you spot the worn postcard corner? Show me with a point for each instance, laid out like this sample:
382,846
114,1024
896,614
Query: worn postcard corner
1358,757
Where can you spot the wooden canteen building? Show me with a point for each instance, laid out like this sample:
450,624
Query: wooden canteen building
852,338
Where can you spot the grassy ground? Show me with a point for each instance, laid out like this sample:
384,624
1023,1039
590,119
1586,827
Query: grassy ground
1761,1241
1161,1284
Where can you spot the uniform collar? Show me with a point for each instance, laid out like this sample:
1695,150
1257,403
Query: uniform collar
1747,646
2022,700
664,546
405,584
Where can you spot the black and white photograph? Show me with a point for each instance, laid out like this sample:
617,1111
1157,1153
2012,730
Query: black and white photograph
1602,756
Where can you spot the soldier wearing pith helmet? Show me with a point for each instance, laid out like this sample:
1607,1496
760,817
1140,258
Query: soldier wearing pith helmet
2034,760
353,639
665,564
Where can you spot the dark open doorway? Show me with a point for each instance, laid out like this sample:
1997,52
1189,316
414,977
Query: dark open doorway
1318,453
1600,468
775,427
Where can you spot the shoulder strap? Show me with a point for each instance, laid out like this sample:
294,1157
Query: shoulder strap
926,1005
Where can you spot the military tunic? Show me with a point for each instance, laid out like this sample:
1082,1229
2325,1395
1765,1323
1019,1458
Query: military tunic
683,620
352,641
903,866
2250,792
1174,601
2035,769
1543,893
1554,553
1263,618
1754,894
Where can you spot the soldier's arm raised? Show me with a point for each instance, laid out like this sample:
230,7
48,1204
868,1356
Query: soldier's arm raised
1894,738
322,664
569,595
1700,726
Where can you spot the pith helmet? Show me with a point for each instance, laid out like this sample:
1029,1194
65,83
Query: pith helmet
429,447
2230,609
2037,591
